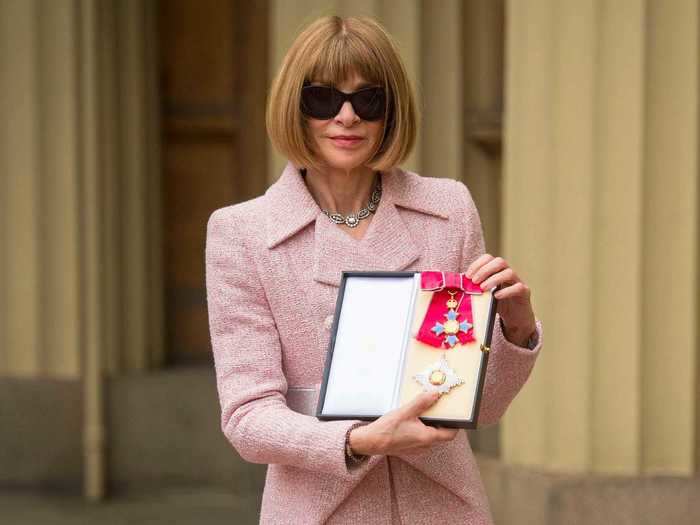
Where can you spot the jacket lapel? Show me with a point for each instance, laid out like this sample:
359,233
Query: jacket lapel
290,207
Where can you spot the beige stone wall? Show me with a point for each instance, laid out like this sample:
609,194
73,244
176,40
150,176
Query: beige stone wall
80,268
600,199
601,215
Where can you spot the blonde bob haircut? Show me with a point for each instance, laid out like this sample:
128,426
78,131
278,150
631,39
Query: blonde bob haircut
329,51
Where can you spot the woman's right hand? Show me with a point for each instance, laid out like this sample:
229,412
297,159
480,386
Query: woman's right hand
400,430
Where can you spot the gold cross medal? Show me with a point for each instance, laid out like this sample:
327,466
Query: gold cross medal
440,377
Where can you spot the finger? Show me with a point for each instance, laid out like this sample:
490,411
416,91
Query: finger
477,263
491,267
419,404
517,290
506,276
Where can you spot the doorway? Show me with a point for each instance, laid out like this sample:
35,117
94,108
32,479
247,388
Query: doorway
213,60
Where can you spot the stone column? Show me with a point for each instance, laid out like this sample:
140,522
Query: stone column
20,304
80,264
600,216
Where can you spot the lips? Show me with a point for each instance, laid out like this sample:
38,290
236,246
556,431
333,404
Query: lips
346,141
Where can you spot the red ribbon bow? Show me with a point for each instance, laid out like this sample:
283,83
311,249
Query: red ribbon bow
441,283
435,281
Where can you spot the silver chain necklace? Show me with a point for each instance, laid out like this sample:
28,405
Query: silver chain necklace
353,219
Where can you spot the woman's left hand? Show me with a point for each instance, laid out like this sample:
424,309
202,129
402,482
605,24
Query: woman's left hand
514,305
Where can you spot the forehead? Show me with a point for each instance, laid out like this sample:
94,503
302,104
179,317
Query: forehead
353,81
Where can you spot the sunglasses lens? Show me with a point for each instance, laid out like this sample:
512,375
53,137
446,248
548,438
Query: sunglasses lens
369,103
320,102
324,102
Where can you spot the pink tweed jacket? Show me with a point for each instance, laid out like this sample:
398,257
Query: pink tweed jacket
273,267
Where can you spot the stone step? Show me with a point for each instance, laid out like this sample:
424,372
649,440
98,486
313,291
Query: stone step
174,505
162,429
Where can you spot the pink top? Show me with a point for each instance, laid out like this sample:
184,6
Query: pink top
273,267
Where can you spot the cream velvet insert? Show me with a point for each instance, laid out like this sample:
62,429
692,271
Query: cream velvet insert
465,360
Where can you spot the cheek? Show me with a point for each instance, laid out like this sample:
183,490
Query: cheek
314,127
375,131
314,132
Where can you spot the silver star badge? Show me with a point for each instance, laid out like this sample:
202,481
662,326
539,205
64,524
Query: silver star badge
439,377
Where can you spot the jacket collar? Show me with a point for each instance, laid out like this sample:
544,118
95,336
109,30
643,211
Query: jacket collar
409,190
387,244
292,207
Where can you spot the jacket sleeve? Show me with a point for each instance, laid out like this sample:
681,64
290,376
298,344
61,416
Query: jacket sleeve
248,360
509,365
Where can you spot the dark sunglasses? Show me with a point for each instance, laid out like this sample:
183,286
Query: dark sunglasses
324,102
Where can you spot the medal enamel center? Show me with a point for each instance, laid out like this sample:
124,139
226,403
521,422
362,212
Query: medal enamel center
439,377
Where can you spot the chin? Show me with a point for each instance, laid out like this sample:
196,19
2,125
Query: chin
345,161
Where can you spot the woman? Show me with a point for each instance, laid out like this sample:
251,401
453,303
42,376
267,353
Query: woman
273,268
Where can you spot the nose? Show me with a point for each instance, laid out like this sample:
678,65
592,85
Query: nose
347,114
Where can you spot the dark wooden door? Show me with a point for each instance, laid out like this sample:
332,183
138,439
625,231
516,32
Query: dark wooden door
213,81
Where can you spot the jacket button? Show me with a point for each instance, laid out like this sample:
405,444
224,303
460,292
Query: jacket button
328,322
